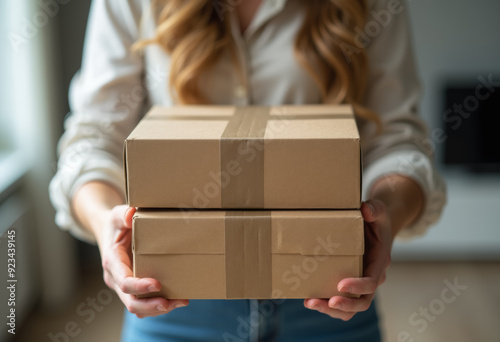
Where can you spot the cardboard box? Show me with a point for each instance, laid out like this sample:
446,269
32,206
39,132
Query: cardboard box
288,157
248,254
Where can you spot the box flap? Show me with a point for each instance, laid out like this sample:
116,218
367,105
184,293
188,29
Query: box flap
125,165
178,232
331,232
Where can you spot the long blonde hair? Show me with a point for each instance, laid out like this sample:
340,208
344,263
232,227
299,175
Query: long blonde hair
194,36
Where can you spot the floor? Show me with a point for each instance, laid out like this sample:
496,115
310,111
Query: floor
428,302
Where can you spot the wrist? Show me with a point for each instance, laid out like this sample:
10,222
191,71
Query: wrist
403,199
92,205
97,220
398,217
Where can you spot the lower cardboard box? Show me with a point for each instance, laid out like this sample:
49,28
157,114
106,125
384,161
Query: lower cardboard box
248,254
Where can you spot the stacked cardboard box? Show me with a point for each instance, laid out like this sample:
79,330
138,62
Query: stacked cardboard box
230,200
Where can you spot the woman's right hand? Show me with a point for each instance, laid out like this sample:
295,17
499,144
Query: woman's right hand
114,243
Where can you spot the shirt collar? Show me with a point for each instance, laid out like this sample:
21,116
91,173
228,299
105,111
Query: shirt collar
267,10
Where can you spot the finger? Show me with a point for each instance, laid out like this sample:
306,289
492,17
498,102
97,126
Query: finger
377,261
178,303
153,306
361,286
377,258
127,219
122,275
149,306
351,304
137,286
118,216
372,210
358,286
123,222
374,276
142,289
321,305
382,279
117,261
160,310
313,303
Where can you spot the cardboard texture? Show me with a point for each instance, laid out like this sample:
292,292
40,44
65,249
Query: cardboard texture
248,254
287,157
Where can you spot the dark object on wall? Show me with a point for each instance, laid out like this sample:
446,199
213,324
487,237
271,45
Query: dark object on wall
472,126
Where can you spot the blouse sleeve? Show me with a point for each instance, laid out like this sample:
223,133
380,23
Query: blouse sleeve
106,98
394,93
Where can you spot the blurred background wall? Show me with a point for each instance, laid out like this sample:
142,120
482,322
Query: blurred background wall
40,46
456,44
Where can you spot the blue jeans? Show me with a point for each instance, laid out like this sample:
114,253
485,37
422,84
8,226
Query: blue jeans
250,320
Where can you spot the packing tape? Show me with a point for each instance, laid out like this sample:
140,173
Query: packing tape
242,144
248,254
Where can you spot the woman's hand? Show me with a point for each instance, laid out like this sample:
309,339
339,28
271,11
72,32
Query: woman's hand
378,245
396,202
96,206
116,254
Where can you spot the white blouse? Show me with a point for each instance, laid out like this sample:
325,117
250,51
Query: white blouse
115,87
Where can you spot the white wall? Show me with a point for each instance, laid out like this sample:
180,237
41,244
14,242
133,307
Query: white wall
457,40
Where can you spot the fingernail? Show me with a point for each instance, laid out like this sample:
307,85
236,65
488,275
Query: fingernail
126,212
336,305
152,288
312,306
372,208
345,289
179,305
161,308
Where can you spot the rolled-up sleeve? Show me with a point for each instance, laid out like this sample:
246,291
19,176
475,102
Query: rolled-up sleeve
394,93
106,100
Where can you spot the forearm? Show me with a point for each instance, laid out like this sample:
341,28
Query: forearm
92,203
402,197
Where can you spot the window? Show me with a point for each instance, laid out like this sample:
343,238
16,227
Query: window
12,165
6,139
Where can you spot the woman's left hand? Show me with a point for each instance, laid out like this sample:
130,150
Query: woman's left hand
378,244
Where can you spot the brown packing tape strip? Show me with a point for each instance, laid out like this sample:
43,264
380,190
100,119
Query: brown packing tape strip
248,254
242,149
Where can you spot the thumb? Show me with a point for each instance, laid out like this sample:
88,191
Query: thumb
372,210
127,217
122,216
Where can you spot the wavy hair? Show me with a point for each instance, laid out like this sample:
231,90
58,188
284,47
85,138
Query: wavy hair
195,36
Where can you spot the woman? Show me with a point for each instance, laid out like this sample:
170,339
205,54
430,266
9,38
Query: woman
242,52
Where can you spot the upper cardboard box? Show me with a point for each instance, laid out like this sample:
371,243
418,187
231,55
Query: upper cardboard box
286,157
